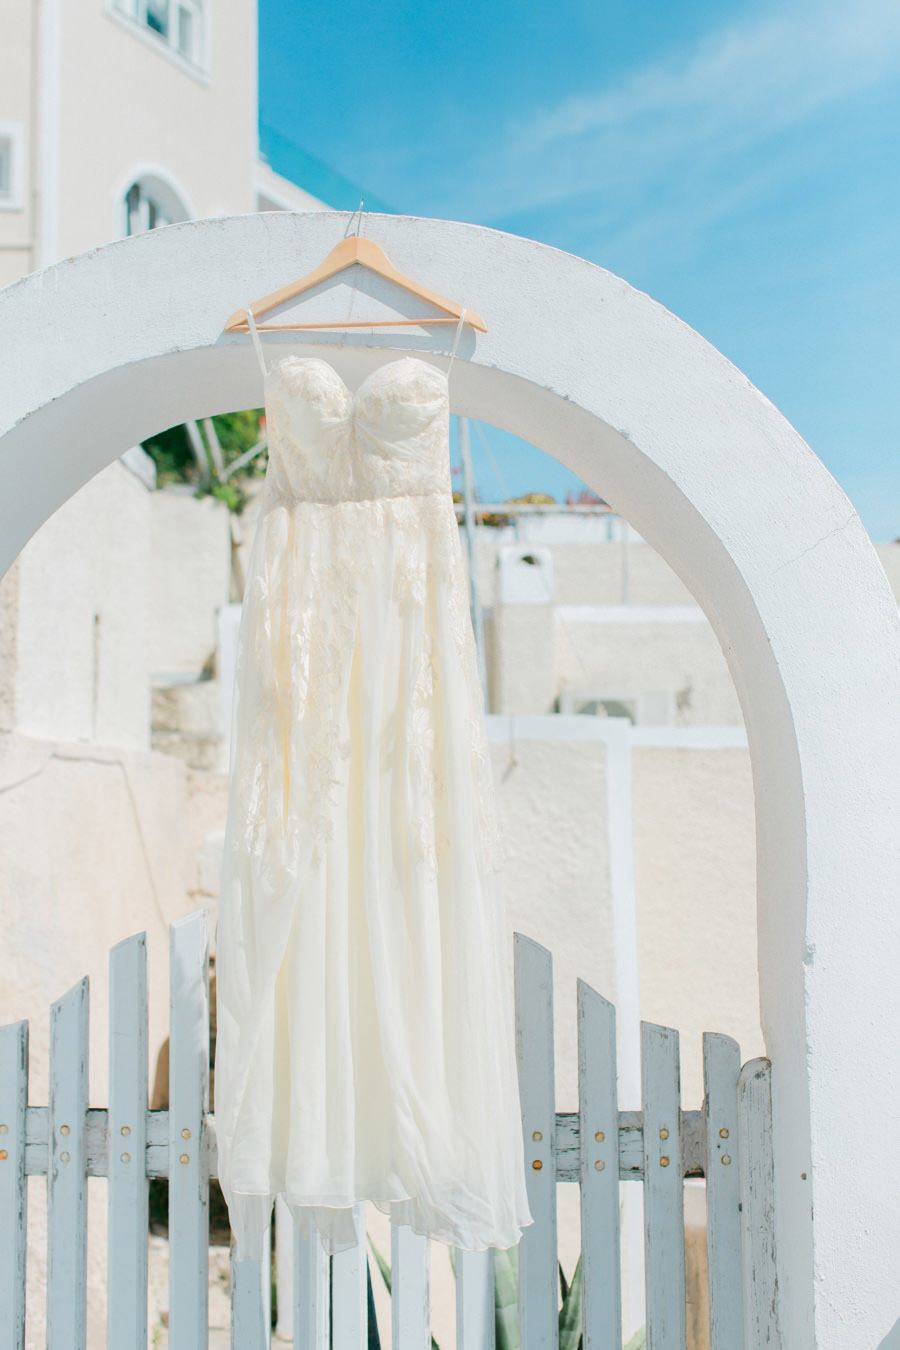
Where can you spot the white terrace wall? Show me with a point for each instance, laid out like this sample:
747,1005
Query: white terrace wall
190,580
82,599
587,571
707,471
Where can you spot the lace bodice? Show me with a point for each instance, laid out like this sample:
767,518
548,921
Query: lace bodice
330,444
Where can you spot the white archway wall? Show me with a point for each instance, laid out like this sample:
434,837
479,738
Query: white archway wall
127,339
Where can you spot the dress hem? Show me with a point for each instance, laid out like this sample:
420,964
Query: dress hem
304,1209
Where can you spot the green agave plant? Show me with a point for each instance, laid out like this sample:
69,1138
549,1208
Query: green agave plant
506,1304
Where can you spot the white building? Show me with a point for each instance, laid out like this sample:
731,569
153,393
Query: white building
117,115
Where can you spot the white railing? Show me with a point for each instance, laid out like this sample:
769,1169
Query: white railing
728,1142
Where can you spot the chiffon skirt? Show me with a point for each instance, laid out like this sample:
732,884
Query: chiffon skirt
365,1032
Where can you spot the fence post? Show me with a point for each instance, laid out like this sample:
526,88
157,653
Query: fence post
251,1308
13,1186
721,1070
598,1128
188,1105
66,1172
663,1189
758,1205
126,1144
538,1278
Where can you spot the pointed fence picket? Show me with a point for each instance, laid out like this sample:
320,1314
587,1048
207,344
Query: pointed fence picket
538,1280
13,1186
598,1129
127,1192
188,1106
67,1172
326,1301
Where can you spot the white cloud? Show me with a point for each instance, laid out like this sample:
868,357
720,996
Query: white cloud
694,111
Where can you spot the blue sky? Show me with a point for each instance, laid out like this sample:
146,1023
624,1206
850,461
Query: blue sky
738,161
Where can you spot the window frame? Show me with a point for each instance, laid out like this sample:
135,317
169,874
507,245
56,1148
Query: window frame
13,135
133,14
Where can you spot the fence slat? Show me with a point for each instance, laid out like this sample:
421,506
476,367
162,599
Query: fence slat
410,1306
538,1297
475,1326
188,1104
67,1175
311,1292
13,1186
349,1310
663,1189
127,1144
251,1316
721,1071
757,1180
598,1111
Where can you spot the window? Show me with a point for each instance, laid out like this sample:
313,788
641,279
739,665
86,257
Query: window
6,155
10,165
150,201
177,23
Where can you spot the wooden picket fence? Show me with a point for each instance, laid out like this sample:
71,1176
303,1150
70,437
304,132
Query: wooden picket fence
728,1142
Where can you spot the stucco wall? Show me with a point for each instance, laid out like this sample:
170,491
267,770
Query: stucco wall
190,579
96,846
83,615
613,657
555,881
665,663
695,872
592,572
694,854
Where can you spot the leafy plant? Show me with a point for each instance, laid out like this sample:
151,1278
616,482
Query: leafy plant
236,435
506,1298
571,1312
506,1303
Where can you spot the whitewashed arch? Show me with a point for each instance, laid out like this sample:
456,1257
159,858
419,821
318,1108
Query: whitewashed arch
107,348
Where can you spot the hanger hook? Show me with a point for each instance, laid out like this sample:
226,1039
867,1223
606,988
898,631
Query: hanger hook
358,212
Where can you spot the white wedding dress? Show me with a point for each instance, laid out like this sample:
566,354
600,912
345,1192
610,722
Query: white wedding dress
365,1033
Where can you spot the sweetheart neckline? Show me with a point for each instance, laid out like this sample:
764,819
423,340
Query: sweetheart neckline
353,394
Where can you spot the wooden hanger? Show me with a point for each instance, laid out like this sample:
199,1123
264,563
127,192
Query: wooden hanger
353,249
